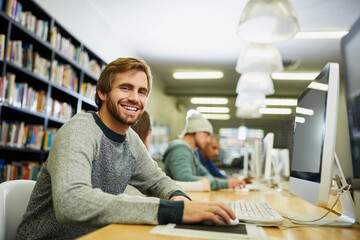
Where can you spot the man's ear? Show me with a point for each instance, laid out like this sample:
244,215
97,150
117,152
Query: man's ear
101,95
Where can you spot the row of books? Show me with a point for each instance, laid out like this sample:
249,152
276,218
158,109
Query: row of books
64,45
21,94
63,75
20,135
19,170
91,65
27,19
22,55
88,90
73,52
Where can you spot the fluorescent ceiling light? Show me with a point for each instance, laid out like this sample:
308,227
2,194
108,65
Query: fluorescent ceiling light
299,119
208,100
212,109
293,76
305,111
280,102
217,116
276,111
319,86
198,75
321,35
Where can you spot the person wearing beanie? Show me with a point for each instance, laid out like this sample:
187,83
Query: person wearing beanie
181,161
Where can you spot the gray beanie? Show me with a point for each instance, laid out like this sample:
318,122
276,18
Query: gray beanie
197,123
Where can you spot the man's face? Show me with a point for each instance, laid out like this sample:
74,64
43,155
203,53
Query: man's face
212,150
127,99
202,139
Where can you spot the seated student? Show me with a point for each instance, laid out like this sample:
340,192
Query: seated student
181,161
143,128
95,155
208,153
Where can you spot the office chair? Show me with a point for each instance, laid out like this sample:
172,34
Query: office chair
14,198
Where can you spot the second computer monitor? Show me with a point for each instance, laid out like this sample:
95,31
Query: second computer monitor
268,147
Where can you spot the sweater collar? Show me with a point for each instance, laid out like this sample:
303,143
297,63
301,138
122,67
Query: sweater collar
107,131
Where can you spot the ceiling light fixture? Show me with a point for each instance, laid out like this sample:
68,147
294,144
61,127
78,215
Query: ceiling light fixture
280,102
321,35
294,76
208,100
212,109
258,57
198,75
268,21
255,81
216,116
275,111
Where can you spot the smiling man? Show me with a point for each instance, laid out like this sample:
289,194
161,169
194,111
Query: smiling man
94,156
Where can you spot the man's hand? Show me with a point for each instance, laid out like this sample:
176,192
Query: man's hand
198,211
234,182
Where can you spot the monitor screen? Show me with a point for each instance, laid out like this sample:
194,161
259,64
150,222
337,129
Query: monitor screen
309,126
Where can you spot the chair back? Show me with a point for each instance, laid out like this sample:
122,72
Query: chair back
14,198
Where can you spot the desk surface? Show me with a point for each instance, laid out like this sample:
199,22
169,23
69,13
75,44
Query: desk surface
283,202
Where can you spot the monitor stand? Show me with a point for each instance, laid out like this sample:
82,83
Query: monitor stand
346,219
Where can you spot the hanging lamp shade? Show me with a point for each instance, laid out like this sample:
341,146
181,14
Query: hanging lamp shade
249,103
258,57
268,21
248,113
250,99
254,81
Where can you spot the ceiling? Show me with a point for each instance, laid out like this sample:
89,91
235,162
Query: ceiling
201,35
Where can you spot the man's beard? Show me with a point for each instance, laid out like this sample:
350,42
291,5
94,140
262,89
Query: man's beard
115,113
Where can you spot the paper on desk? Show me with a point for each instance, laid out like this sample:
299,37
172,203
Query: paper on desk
211,232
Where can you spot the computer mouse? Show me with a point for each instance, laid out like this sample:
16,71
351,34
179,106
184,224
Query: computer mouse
221,223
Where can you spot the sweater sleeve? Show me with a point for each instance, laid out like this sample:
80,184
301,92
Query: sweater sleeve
214,183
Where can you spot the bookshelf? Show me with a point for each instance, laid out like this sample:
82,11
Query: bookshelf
46,76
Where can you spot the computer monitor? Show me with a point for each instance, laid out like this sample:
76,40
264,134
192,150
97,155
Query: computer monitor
267,159
284,162
350,47
314,142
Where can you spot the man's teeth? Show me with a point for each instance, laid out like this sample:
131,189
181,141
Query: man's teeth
130,108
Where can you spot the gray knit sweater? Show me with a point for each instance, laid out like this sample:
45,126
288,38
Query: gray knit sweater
81,184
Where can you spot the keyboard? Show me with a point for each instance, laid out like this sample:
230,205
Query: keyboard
256,212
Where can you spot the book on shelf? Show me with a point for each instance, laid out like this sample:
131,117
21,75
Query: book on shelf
2,46
48,137
27,56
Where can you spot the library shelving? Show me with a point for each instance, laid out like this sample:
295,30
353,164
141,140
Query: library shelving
46,76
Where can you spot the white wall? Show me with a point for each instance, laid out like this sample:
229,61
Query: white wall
81,19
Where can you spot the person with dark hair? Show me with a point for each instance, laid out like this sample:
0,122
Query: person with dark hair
143,128
95,155
207,155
